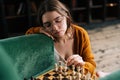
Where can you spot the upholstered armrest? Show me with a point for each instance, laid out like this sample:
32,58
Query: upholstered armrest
29,54
113,76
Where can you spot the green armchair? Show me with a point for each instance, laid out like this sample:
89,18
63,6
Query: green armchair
113,76
28,55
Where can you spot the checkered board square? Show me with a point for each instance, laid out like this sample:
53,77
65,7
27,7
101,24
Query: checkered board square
53,75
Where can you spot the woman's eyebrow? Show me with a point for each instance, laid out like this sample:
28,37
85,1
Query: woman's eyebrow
46,22
52,20
56,17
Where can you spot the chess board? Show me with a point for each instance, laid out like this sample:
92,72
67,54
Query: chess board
69,74
53,75
65,73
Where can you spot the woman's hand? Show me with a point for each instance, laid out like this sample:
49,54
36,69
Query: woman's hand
75,60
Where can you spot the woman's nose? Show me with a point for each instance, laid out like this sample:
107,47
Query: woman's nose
54,26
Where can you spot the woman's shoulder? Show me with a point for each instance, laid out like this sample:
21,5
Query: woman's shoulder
78,28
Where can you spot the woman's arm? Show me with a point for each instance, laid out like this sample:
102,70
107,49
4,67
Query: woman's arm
33,30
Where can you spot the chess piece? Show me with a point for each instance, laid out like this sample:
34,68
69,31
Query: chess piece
69,77
65,70
60,63
78,76
56,67
73,70
78,69
83,77
73,77
73,67
94,77
60,67
65,67
60,76
88,76
82,72
90,79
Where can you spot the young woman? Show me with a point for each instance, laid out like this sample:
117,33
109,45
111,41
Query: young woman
71,42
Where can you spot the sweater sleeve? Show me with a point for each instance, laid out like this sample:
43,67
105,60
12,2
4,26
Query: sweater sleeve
84,49
88,56
33,30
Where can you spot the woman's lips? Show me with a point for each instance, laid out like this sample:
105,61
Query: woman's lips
57,32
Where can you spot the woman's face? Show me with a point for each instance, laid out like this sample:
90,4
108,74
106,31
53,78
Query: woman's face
54,23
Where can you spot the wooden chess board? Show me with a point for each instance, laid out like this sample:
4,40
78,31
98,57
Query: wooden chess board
53,75
65,73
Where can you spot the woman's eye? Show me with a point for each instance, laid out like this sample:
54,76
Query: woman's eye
58,20
47,24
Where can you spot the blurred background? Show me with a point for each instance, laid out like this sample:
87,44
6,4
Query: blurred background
101,18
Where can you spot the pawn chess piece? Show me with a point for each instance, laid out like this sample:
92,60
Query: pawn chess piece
88,76
60,63
83,77
60,77
60,69
69,77
65,67
56,67
65,70
94,77
78,76
73,70
73,67
82,72
73,77
78,69
65,74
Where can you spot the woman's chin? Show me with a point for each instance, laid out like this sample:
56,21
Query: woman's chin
59,35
